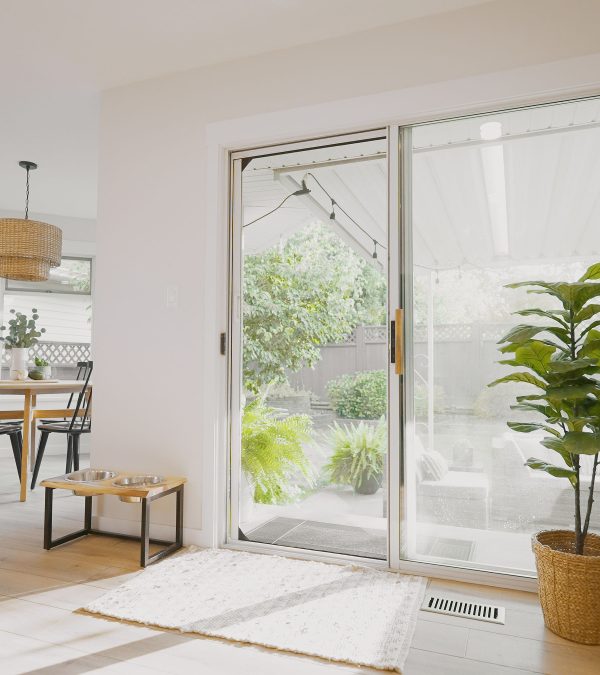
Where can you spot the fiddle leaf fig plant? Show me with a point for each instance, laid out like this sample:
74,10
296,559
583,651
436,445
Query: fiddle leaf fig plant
22,331
560,358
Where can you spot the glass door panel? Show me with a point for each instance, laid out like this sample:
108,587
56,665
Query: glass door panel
310,342
496,199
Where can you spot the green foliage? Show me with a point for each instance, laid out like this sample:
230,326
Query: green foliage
311,291
360,395
40,363
358,453
272,455
22,331
561,360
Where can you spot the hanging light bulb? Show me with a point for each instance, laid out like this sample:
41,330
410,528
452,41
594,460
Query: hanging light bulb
332,214
28,248
374,249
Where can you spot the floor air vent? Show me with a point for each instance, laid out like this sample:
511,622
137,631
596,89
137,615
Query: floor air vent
468,610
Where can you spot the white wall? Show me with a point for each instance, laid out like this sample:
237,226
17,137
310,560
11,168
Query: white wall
162,204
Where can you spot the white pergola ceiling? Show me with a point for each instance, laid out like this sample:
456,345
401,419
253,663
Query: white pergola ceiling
532,195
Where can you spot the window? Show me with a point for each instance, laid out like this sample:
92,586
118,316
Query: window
64,302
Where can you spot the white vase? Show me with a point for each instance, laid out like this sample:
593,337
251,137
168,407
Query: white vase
18,363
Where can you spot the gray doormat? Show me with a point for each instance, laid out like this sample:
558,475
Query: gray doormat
328,537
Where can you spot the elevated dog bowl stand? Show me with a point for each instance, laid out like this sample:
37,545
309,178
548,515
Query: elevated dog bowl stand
147,494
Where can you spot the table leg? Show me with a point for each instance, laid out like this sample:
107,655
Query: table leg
27,420
32,444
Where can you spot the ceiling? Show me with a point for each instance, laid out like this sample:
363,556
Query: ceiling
59,54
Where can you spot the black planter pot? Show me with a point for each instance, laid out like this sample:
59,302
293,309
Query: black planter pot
368,486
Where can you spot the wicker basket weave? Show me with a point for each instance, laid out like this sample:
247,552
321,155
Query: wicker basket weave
28,249
569,585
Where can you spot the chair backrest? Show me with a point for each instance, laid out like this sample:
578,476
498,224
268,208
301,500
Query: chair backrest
84,397
82,367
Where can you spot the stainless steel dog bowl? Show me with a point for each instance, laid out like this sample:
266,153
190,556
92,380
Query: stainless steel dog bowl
134,482
90,475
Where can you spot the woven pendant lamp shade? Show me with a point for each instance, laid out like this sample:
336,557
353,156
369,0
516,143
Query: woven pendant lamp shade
28,249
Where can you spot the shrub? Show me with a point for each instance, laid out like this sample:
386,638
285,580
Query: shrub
361,395
272,455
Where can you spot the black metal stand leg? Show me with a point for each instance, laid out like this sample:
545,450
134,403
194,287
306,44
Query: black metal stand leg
87,523
145,534
48,518
179,518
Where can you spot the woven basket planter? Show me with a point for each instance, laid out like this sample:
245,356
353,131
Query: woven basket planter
569,585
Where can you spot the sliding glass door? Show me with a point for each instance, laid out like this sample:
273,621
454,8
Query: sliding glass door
369,295
495,199
310,423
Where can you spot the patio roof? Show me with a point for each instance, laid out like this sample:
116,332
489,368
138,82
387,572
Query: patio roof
530,195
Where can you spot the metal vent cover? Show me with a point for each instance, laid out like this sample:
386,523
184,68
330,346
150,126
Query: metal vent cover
467,609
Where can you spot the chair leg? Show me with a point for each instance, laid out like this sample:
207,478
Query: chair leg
16,448
69,464
38,459
75,443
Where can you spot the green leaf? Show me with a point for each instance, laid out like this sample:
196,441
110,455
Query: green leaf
582,443
586,313
592,272
527,427
521,333
557,315
520,377
572,392
556,471
535,355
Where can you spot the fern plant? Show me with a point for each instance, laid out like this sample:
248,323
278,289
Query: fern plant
358,455
273,458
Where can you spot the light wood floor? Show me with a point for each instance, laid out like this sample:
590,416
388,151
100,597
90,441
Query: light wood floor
40,633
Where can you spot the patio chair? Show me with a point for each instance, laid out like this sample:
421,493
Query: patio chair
79,424
13,431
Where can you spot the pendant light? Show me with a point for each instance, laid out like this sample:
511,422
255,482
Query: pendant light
28,248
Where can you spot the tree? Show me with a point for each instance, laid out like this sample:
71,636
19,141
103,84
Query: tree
310,291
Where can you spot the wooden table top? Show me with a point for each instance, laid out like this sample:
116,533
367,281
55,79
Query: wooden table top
106,487
41,387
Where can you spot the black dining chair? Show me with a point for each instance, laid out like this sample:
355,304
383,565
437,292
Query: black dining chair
14,431
79,424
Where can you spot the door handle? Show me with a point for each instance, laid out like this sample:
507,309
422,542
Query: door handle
397,335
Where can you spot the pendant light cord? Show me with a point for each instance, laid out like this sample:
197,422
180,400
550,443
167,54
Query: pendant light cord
27,195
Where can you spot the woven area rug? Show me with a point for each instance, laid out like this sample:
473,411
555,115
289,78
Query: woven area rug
351,614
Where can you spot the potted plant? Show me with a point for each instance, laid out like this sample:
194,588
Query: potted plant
22,334
560,358
41,369
358,456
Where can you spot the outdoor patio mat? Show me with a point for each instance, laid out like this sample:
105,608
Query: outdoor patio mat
330,537
351,614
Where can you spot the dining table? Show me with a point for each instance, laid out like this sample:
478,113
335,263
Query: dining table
30,413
